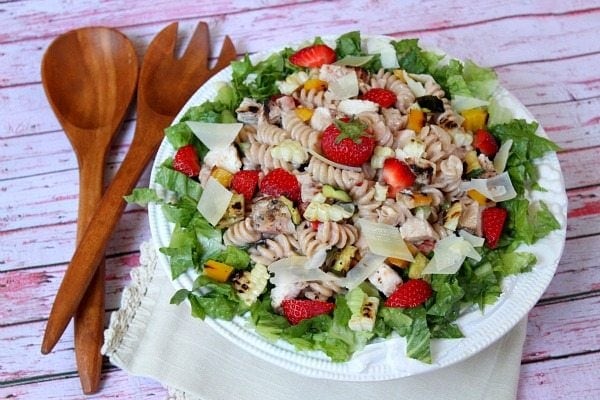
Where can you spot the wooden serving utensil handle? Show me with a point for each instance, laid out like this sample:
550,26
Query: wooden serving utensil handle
89,319
86,258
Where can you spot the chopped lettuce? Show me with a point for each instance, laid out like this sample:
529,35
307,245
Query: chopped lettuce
142,196
349,44
179,183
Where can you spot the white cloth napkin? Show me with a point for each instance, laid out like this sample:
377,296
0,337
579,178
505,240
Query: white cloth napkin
149,337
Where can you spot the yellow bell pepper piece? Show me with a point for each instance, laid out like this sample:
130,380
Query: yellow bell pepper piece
217,270
421,199
475,118
305,114
478,197
315,84
222,175
416,120
397,262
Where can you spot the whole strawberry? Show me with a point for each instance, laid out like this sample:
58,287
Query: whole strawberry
347,142
280,182
299,310
385,98
313,56
245,183
492,224
410,294
186,161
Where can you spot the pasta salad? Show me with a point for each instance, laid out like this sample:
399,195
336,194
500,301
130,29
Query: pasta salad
344,192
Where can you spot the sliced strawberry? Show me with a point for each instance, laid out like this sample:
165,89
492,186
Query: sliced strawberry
280,182
385,98
186,161
492,224
245,183
347,142
299,310
410,294
485,142
313,56
398,175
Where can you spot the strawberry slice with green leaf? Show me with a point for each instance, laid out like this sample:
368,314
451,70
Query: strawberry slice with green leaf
186,161
298,310
492,224
485,142
385,98
313,56
410,294
348,142
398,175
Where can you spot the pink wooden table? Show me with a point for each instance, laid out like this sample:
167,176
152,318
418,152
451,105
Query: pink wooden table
546,52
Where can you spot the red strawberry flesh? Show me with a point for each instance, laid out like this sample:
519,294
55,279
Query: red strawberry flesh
280,182
186,161
492,224
313,56
385,98
485,142
245,183
298,310
410,294
398,175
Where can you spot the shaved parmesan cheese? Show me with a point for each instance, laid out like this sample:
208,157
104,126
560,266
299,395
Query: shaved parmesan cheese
502,156
353,61
387,53
292,82
461,103
345,87
298,269
416,87
214,201
497,188
361,271
449,254
384,240
354,106
215,136
475,241
332,163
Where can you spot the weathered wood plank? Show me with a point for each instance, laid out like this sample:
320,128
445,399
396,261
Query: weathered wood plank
559,329
54,244
21,286
450,31
575,377
114,384
579,269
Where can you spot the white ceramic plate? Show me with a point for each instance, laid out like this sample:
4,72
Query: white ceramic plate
386,359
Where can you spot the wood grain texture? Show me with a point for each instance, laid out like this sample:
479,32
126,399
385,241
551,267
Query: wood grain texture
545,52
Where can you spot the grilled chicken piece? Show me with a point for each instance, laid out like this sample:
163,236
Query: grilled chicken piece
272,216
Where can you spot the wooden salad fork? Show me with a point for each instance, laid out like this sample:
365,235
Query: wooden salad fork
89,76
165,84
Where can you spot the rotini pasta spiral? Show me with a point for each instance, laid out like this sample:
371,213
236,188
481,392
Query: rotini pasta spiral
273,249
307,239
270,134
314,98
380,129
241,233
363,196
330,175
321,291
307,136
258,155
336,234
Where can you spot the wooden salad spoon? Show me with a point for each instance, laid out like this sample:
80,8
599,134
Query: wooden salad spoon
165,84
89,76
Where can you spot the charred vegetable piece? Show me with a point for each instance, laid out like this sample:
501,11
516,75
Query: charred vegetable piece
453,216
336,194
474,168
431,103
234,212
416,267
296,217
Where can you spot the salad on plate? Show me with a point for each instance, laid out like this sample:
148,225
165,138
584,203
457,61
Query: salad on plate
347,191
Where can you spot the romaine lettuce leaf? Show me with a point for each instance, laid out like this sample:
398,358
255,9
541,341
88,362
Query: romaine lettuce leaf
143,196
